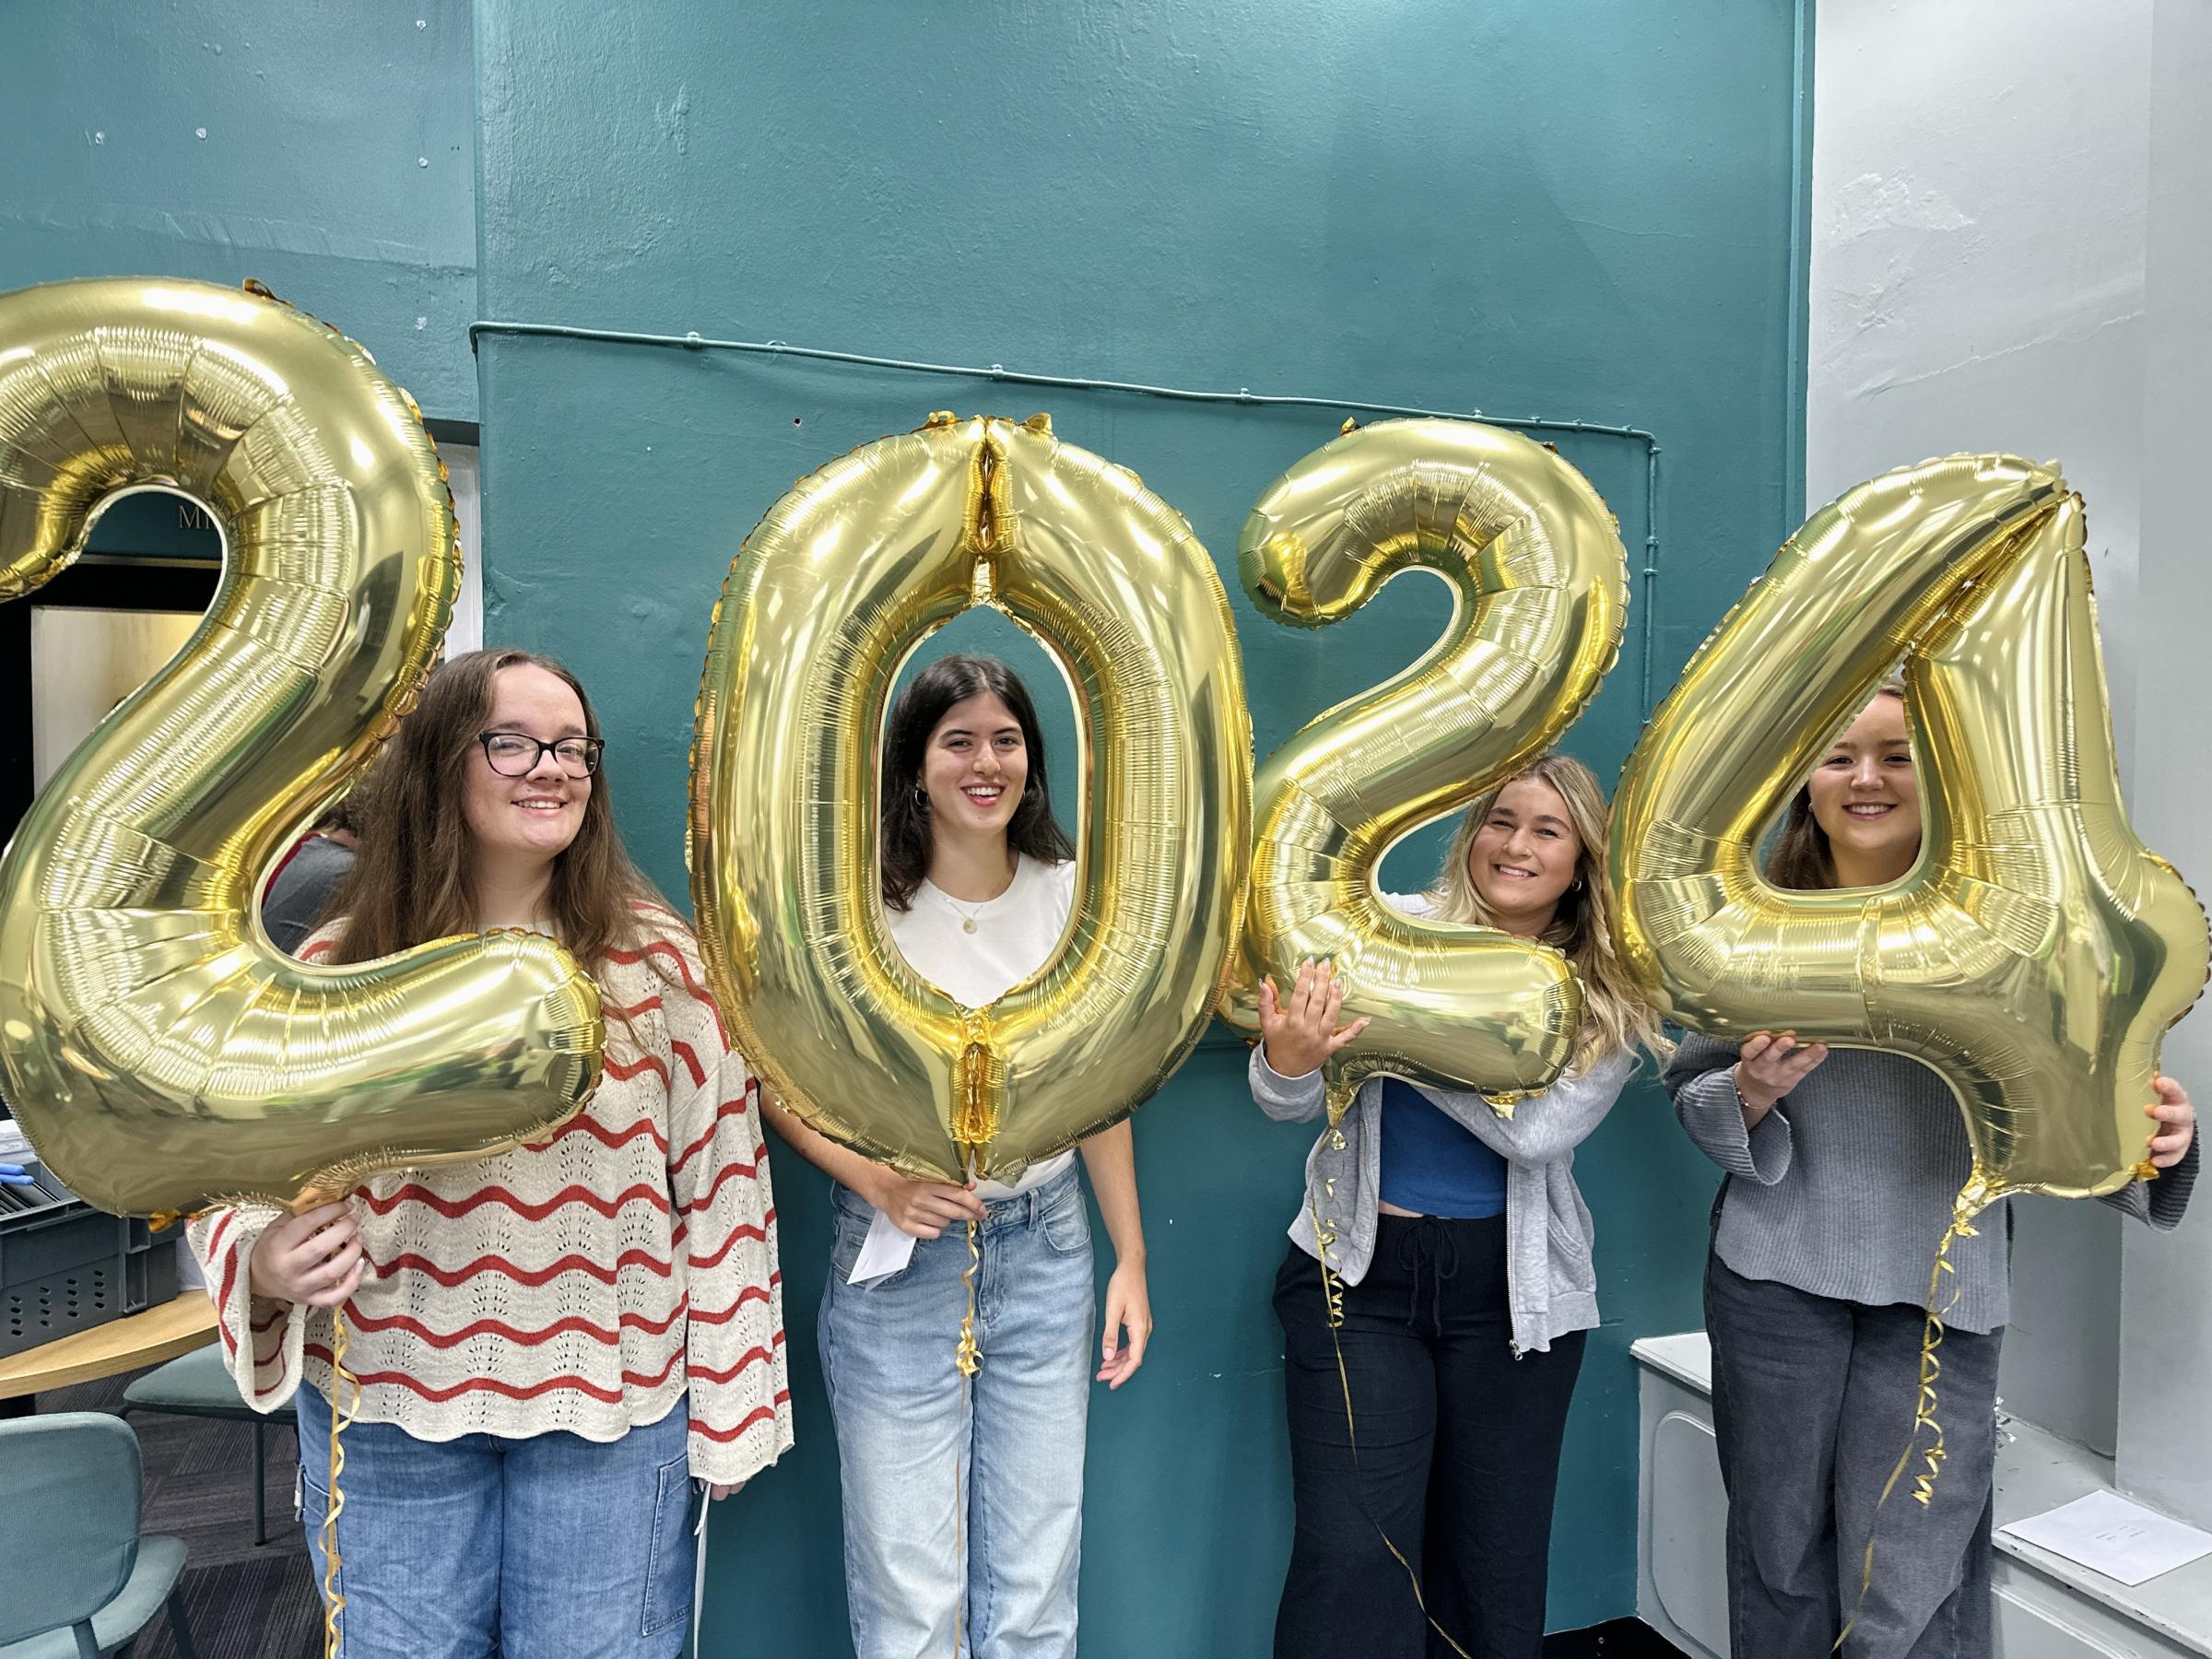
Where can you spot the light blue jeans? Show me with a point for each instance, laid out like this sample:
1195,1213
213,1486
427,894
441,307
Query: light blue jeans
992,1472
549,1547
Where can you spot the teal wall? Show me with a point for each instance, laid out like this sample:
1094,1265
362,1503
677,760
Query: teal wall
1583,212
1570,211
318,117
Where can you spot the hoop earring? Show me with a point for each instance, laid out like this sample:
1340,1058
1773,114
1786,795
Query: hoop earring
921,798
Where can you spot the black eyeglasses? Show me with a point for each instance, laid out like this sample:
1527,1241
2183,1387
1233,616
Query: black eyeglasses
515,754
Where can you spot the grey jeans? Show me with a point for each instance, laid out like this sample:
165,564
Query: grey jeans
1813,1402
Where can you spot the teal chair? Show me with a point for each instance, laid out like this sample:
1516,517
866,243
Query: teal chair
200,1384
79,1580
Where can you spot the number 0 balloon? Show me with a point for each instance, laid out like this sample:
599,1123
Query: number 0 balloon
161,1054
824,601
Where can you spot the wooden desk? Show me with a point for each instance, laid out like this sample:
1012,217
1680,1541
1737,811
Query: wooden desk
175,1328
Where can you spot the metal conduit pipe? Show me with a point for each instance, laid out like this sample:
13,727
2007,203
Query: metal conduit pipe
1242,395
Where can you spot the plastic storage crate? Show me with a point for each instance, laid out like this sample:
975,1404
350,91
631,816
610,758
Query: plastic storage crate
66,1267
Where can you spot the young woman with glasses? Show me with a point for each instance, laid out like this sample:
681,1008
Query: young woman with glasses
1841,1169
554,1342
964,1504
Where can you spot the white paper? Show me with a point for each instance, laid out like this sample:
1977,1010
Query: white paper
885,1250
2107,1533
699,1570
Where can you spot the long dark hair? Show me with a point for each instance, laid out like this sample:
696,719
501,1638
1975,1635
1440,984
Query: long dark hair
411,880
906,832
1802,857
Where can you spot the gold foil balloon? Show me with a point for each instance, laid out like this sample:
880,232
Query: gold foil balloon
1540,588
159,1052
824,601
2037,952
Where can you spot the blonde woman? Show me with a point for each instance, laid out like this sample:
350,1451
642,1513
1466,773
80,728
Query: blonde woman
1464,1252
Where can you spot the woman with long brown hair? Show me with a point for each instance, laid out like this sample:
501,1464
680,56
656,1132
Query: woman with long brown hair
1839,1172
551,1342
963,1502
1462,1253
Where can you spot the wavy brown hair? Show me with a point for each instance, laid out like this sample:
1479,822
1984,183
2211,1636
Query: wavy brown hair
411,880
1616,1015
907,839
1801,855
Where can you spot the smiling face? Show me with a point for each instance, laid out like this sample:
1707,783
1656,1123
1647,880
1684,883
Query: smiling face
1525,856
1866,798
530,819
974,768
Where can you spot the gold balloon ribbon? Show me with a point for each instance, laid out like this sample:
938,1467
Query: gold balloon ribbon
969,1359
2037,952
341,1417
1539,588
1972,1201
1332,1291
827,597
157,1051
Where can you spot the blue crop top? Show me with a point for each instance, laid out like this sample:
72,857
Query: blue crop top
1432,1165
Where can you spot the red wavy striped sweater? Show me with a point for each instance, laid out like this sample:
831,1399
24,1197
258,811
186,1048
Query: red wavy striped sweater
590,1281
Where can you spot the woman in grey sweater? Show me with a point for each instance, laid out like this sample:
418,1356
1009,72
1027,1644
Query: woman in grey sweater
1840,1175
1462,1249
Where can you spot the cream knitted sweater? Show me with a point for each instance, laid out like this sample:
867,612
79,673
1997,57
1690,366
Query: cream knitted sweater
589,1281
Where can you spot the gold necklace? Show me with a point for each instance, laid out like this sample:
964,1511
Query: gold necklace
967,916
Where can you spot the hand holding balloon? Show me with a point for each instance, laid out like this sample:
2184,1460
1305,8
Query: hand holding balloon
921,1209
1768,1067
2176,1120
314,1259
1300,1036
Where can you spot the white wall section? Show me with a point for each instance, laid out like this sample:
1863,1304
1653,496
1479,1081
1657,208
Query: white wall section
2165,1342
2010,208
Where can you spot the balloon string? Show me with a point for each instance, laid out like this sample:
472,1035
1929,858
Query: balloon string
1972,1199
969,1359
1332,1290
334,1601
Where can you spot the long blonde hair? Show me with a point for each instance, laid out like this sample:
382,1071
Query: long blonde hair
1616,1016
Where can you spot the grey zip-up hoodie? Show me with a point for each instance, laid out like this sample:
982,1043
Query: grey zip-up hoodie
1551,1284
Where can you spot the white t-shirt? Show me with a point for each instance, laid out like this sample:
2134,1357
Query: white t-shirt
975,954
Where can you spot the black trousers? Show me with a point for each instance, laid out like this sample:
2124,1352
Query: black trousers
1458,1452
